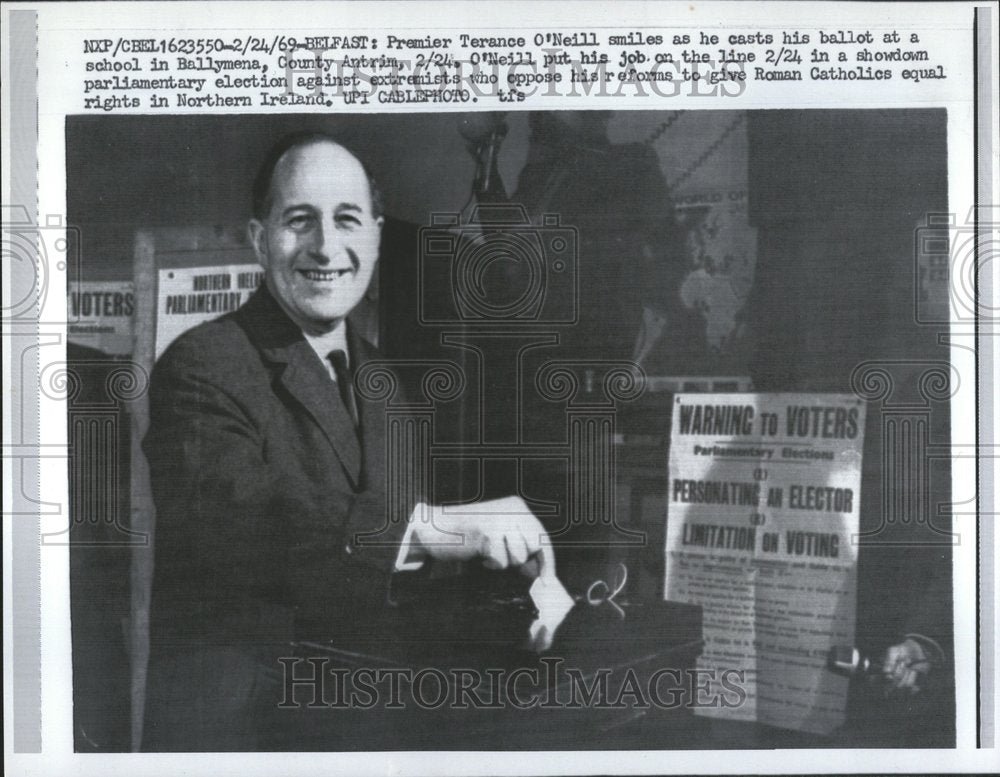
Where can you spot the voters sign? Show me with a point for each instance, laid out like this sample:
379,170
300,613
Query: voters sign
101,314
762,519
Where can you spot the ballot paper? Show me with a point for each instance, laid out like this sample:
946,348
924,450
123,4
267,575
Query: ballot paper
553,603
762,524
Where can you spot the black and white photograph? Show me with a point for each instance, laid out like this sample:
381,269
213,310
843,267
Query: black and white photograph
480,387
414,469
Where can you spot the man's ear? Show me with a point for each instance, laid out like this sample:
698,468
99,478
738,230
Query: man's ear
257,233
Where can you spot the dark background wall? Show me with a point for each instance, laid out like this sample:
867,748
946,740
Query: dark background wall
837,197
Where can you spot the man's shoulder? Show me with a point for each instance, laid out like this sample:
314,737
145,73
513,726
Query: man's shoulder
211,348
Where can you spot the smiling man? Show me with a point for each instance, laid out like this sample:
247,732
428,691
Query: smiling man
316,227
268,470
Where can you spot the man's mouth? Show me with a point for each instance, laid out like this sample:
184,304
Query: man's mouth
325,275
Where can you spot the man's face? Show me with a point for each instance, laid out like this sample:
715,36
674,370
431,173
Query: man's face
319,243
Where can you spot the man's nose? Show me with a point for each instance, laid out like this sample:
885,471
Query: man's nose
325,242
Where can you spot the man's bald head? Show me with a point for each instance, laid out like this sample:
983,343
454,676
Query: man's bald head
262,195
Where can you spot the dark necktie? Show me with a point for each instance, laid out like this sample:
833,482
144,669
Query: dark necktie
345,383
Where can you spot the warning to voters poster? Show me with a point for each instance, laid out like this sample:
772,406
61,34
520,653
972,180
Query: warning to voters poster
762,514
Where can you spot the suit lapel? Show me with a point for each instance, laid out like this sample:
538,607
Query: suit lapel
372,413
307,380
303,376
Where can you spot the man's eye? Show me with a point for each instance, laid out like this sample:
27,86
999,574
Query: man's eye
299,222
349,219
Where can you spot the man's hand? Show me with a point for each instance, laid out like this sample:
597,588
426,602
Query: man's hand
502,532
906,664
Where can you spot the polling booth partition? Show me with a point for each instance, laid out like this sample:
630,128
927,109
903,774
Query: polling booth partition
168,251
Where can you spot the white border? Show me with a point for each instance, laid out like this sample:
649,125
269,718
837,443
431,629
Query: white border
60,23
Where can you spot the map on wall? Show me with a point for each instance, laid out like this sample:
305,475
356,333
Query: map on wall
703,160
721,251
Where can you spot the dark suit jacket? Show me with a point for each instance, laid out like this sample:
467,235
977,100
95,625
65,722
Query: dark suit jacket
272,524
